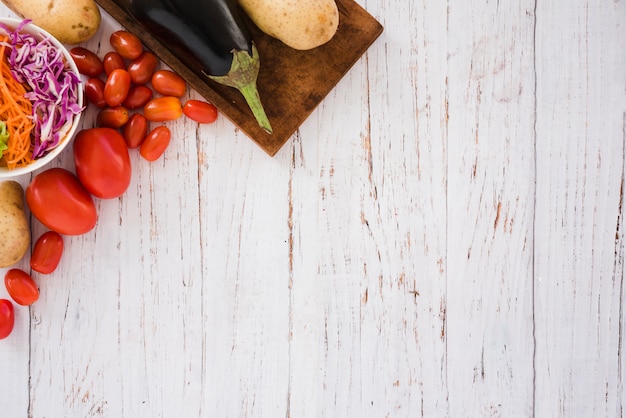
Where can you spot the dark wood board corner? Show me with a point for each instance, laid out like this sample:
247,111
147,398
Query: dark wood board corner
291,83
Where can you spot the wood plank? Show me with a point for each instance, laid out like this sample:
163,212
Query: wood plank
490,211
245,275
579,234
291,83
382,201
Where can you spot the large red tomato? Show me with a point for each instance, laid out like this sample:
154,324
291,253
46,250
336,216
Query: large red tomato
102,162
60,202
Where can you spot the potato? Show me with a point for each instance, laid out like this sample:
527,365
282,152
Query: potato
14,227
301,24
70,21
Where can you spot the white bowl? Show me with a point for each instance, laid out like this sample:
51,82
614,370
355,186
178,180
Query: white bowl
41,34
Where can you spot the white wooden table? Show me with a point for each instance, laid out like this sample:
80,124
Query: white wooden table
443,237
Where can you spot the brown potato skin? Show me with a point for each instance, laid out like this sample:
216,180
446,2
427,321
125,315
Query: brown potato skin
70,21
300,24
14,227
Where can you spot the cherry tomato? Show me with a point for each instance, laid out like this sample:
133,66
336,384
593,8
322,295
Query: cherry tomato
7,318
60,202
168,83
116,87
126,44
94,90
137,97
102,162
162,109
21,287
113,117
113,61
155,143
142,68
87,62
47,252
200,111
135,130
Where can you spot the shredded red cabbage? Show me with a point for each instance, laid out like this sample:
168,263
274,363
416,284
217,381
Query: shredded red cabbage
53,86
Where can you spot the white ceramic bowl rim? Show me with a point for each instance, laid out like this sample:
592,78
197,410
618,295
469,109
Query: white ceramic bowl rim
33,29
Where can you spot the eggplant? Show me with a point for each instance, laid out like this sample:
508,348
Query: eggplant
214,41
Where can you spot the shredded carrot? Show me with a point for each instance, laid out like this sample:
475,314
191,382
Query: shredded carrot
16,112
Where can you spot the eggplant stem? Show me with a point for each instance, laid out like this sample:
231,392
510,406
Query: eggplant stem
243,76
251,94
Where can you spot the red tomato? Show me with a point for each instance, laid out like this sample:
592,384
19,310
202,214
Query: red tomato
60,202
135,130
47,252
7,318
142,68
113,61
94,90
155,144
126,44
112,117
21,287
87,62
200,111
168,83
137,97
162,109
102,162
116,87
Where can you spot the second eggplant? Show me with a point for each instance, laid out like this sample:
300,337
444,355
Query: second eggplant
213,38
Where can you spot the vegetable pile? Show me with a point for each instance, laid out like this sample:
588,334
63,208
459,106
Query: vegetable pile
131,94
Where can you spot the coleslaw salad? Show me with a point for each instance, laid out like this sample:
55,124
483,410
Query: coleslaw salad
52,87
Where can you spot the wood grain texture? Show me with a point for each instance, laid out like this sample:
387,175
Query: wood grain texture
442,237
579,274
490,193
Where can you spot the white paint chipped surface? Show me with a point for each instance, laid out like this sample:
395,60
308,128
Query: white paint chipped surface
443,237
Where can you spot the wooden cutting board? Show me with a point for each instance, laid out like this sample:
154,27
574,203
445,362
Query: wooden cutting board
291,83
